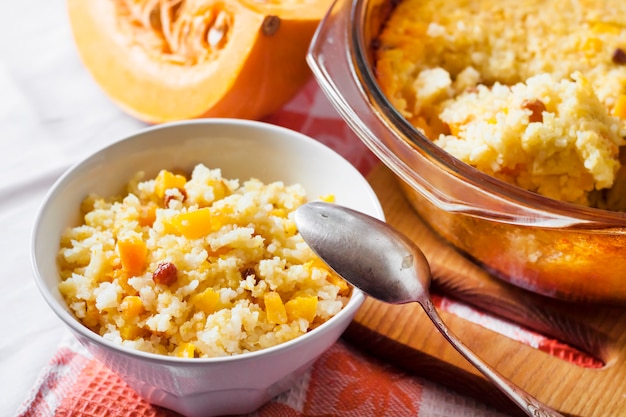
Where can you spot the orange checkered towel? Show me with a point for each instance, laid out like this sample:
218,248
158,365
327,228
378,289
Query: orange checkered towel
343,382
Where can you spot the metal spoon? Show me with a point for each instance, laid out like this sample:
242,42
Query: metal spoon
388,266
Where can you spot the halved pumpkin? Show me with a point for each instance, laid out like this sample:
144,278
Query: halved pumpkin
164,60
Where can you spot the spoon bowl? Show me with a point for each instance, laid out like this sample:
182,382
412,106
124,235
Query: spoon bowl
388,266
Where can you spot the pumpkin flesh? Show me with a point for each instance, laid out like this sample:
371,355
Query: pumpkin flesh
164,60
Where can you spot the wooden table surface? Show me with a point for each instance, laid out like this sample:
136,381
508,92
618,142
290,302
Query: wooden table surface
405,336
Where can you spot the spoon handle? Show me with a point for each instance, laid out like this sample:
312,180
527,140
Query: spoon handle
524,400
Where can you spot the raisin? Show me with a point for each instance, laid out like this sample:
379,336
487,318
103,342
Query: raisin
246,272
536,108
619,56
166,273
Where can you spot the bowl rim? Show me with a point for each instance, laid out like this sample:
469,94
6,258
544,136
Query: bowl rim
553,213
349,309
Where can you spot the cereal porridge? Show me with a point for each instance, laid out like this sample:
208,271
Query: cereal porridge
196,266
532,92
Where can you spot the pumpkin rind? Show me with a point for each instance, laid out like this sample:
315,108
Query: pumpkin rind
250,74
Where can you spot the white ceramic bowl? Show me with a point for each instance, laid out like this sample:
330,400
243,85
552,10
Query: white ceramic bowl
242,149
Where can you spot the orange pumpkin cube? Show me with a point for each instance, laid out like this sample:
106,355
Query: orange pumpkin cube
131,307
185,350
133,255
206,301
301,307
147,215
274,308
193,224
166,180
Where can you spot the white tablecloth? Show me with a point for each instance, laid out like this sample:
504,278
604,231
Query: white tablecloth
51,114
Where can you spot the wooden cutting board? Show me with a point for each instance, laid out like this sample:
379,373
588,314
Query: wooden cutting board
404,336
